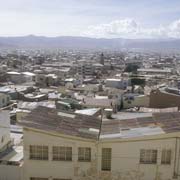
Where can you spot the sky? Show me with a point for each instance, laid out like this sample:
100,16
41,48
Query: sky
91,18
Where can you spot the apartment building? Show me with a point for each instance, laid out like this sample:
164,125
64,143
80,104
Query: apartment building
85,69
60,146
10,155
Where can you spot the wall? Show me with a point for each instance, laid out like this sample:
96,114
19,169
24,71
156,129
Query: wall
160,99
4,129
125,159
10,172
126,156
4,100
115,83
137,101
54,169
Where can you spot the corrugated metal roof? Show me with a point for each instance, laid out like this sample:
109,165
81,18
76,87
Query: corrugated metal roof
159,123
48,119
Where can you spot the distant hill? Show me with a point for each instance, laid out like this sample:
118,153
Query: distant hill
32,41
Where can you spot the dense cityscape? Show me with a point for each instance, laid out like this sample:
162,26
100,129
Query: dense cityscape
90,90
78,114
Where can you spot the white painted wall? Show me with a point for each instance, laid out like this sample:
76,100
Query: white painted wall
4,129
54,169
4,100
125,158
10,172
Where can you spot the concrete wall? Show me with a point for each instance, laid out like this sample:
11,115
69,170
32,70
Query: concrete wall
4,129
125,159
115,83
137,101
16,78
4,100
10,172
54,169
159,99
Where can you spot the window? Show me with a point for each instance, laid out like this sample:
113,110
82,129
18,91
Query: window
38,178
166,156
62,153
61,179
39,152
106,159
148,156
2,139
84,154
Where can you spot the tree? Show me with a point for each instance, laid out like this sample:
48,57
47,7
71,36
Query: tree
131,68
138,81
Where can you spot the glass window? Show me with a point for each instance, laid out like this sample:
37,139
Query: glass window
60,179
148,156
84,154
166,156
106,159
62,153
38,152
38,178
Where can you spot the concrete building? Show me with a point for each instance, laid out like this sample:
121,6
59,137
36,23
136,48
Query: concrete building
4,99
44,80
28,76
135,100
10,156
118,83
4,130
164,98
83,148
155,71
15,77
60,153
85,69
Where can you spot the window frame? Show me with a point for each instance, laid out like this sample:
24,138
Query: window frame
150,156
85,155
61,179
61,153
38,178
107,161
165,157
39,154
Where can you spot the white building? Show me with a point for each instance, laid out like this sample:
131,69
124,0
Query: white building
10,156
118,83
58,152
28,76
4,99
4,130
15,77
69,146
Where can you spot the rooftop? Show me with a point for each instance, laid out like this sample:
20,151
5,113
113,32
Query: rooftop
13,157
122,125
51,120
158,123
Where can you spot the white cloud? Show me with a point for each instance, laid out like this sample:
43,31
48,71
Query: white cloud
129,28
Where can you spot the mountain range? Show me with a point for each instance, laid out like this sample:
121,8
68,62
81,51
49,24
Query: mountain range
33,41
